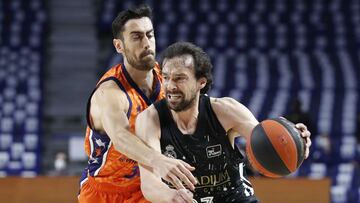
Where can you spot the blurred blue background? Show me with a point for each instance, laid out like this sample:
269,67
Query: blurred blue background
298,59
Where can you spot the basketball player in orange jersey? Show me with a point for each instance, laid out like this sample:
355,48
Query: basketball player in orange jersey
112,174
189,125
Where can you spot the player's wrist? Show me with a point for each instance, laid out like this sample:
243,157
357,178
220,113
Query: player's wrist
154,158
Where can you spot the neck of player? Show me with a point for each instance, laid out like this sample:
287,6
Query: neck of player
187,120
143,78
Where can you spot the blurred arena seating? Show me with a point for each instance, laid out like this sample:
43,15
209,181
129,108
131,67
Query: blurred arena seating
268,52
22,30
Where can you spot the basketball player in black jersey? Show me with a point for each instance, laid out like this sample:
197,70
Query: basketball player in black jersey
197,129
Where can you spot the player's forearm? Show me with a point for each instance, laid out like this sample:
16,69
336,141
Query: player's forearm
134,148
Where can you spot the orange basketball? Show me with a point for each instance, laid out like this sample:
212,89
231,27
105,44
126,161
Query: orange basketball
275,147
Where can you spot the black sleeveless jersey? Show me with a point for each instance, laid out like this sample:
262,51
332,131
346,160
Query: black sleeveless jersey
219,167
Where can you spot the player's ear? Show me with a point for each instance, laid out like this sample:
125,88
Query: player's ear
118,44
202,82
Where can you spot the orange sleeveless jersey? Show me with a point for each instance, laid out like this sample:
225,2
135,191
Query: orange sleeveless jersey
105,163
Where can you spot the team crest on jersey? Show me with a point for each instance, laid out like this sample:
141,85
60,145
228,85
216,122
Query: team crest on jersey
170,152
213,151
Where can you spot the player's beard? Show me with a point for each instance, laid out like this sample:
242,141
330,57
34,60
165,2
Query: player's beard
143,62
182,105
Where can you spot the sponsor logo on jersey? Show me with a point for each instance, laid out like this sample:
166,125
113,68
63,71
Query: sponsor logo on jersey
126,160
213,151
170,152
213,179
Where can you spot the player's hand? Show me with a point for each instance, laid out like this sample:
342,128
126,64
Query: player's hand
306,135
182,196
175,171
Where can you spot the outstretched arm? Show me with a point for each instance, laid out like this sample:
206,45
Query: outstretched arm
148,129
109,106
236,117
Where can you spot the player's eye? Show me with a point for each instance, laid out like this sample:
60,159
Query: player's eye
136,37
150,35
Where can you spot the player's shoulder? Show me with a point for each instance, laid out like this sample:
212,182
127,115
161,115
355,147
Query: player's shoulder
226,105
108,84
223,102
109,88
108,93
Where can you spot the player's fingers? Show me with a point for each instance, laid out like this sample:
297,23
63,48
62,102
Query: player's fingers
176,182
178,199
187,182
301,126
182,173
305,134
308,142
306,153
186,195
188,175
307,149
188,166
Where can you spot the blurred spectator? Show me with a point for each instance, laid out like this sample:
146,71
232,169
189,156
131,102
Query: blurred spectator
60,165
60,162
298,115
322,149
324,143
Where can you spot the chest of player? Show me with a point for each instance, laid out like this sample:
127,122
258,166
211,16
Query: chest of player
202,146
208,151
216,163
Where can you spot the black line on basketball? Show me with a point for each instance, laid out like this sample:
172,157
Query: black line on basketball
265,153
295,134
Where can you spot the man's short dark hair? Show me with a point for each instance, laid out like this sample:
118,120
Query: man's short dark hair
202,63
126,15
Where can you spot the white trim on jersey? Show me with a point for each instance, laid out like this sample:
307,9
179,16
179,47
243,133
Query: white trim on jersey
241,171
103,159
82,182
91,144
249,191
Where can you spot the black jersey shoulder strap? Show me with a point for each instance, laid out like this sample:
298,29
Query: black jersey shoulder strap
163,112
215,126
211,116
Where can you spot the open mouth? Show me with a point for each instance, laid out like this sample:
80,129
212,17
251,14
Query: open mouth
174,97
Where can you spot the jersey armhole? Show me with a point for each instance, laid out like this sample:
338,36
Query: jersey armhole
215,120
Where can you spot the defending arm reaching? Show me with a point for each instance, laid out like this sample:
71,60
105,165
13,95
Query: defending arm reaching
148,129
109,106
